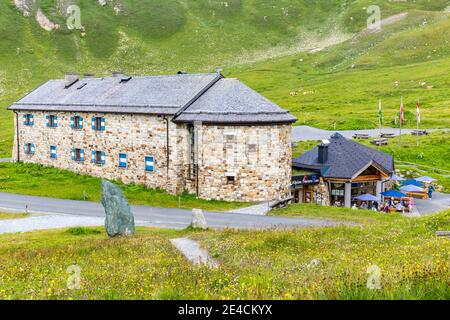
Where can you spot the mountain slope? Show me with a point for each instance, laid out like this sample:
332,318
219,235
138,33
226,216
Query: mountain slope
165,36
339,87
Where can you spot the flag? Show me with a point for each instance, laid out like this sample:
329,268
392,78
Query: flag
380,113
402,113
418,112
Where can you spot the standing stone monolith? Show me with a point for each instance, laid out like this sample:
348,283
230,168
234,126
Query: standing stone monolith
198,220
119,219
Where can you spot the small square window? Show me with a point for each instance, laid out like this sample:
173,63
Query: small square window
252,147
231,180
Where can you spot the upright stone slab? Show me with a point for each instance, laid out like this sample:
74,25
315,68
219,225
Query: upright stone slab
119,219
199,220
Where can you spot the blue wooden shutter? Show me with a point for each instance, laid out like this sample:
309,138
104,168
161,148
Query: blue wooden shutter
93,123
24,119
25,148
81,155
72,122
31,120
123,163
55,121
93,156
47,120
33,148
103,127
103,158
73,154
149,164
53,152
81,123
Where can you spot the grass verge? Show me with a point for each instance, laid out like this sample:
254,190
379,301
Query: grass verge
10,215
312,263
37,180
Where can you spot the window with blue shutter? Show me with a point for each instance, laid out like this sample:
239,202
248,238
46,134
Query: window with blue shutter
123,162
29,148
149,164
53,152
51,121
98,157
77,155
28,120
98,124
76,122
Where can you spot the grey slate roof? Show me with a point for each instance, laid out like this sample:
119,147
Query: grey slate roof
345,159
229,100
187,97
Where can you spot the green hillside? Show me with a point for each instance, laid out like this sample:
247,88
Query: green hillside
239,36
339,87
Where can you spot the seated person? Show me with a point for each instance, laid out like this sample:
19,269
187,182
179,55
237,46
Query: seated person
400,207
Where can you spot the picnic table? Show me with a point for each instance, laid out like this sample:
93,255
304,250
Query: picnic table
380,142
420,133
361,136
388,135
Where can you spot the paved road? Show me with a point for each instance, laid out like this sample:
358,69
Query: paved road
150,216
305,133
440,201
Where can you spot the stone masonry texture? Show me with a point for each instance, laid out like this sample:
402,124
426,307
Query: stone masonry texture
235,163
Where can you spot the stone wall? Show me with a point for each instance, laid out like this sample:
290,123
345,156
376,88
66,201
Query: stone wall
258,158
136,135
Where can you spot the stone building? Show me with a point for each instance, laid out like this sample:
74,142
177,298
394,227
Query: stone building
200,133
339,170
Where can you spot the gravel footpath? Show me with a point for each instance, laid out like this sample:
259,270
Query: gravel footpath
51,221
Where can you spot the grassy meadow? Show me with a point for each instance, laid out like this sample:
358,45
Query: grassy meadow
37,180
311,263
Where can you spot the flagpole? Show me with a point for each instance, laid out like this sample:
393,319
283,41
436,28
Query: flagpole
381,117
401,121
418,120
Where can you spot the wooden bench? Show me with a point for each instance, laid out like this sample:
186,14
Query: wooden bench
420,133
380,142
422,195
387,135
361,136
